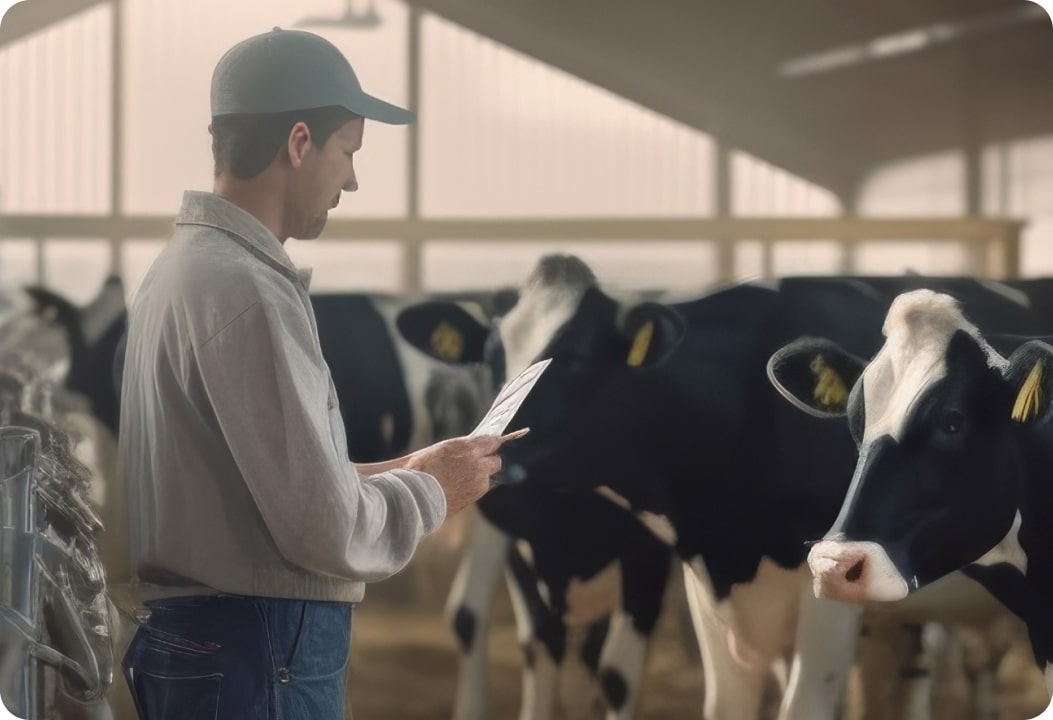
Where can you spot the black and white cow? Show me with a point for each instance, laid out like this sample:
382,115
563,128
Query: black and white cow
571,559
955,449
701,448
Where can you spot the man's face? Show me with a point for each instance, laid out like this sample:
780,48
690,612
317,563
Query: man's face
325,173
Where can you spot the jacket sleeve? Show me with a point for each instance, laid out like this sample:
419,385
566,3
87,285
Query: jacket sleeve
271,395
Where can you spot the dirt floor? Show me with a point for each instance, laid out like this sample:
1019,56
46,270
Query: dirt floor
404,662
404,665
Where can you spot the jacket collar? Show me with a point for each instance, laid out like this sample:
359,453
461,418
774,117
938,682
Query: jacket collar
210,210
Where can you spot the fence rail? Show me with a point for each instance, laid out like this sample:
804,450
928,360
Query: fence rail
993,244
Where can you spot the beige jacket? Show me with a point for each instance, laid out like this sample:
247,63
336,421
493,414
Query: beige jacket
232,447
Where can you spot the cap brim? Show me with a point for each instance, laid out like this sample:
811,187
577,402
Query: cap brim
373,108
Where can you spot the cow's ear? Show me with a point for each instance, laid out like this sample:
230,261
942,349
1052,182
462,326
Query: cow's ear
51,306
654,331
444,331
1030,376
816,375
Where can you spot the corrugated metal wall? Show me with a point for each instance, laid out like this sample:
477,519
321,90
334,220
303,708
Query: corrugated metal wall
505,135
55,118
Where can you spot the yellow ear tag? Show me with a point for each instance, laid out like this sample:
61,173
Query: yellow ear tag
1029,400
641,344
447,342
830,390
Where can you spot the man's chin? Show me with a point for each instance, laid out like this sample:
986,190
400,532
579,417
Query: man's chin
314,231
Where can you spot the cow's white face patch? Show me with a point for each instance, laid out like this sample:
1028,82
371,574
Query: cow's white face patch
547,301
1009,550
855,572
530,326
918,330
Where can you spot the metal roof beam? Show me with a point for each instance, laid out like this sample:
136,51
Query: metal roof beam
31,16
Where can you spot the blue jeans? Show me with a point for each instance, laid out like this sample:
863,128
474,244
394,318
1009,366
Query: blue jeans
232,657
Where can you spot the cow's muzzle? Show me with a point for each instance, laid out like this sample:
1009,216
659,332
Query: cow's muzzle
855,572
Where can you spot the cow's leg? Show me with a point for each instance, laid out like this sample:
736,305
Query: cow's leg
621,666
916,675
542,635
734,683
894,669
468,610
824,650
645,574
983,649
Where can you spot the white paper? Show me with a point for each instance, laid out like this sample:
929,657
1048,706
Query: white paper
509,400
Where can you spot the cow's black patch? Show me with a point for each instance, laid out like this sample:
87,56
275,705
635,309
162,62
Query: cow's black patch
615,689
595,636
464,625
546,623
358,347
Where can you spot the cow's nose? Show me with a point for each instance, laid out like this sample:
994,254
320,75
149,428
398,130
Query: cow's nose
854,572
838,571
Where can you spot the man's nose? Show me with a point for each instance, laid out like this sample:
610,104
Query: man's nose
351,185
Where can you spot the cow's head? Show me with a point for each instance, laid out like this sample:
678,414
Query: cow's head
938,481
563,315
95,335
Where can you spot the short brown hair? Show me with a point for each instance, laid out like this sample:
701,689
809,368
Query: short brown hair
244,145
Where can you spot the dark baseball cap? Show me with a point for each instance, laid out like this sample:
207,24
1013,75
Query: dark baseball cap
285,70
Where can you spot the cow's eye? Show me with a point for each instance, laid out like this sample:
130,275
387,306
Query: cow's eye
952,422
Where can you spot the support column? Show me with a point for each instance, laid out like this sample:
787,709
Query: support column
722,205
117,134
412,248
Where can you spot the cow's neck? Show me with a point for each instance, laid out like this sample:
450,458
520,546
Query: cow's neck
1029,593
1036,537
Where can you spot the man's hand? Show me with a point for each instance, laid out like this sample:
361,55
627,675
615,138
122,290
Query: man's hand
462,466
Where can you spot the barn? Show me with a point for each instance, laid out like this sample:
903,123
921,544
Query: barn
678,149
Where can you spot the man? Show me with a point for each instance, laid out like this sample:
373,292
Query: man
251,532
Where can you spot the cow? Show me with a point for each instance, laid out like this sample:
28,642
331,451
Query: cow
93,333
667,412
955,443
561,553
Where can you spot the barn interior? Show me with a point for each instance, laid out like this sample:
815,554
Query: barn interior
676,146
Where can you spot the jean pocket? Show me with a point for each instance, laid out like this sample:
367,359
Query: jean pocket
160,697
324,642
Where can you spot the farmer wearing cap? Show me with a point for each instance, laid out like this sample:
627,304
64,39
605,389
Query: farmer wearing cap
251,532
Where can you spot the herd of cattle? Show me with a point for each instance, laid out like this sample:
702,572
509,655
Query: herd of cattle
710,432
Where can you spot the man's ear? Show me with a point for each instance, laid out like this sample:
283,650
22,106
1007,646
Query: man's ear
1030,376
815,375
444,330
654,331
299,143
